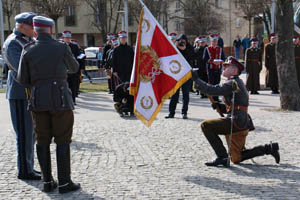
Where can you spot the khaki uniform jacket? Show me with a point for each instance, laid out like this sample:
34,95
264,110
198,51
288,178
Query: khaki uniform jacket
242,119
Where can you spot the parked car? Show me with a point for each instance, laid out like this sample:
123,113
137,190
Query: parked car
93,56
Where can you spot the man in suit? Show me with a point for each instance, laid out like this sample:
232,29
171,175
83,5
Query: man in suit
15,93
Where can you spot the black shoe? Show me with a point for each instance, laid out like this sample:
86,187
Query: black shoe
50,186
273,149
68,187
219,161
184,116
30,176
169,116
275,92
251,92
255,92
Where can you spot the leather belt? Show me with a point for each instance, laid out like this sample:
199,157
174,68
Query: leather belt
238,107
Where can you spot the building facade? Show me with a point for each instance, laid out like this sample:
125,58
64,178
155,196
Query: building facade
82,21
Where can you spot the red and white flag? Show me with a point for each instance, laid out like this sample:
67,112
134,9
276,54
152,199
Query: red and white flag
159,69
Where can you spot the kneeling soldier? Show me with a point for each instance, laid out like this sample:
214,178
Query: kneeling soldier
43,67
242,121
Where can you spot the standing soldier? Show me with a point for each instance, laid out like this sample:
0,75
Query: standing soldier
238,120
15,93
173,37
213,56
253,64
199,61
123,59
109,64
297,56
73,79
270,63
107,47
43,68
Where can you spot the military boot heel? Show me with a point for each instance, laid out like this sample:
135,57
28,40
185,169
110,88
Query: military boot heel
44,158
273,149
64,170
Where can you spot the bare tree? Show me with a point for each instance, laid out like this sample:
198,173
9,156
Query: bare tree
106,15
52,8
9,8
159,10
199,17
252,8
288,85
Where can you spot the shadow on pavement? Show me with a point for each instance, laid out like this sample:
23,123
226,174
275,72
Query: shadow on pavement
80,146
244,190
80,194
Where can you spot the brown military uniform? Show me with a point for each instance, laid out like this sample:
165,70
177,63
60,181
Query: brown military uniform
297,62
270,63
242,123
50,100
253,65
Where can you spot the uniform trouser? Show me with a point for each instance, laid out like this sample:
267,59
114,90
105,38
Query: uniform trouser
73,82
237,52
212,128
57,124
185,97
23,127
214,78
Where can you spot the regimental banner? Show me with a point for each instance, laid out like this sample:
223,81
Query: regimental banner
159,69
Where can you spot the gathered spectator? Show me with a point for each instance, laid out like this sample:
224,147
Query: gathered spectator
123,59
237,47
186,49
245,44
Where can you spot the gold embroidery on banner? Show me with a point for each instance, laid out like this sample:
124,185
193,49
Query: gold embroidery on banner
175,69
145,102
146,23
149,64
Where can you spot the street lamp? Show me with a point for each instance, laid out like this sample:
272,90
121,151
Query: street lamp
1,24
126,19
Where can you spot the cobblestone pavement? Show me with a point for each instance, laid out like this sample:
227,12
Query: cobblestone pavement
120,158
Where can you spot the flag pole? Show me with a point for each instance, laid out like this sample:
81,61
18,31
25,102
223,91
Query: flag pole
163,31
142,3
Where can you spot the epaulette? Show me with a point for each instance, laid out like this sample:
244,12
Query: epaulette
29,44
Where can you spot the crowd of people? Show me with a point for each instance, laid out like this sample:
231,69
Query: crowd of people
40,100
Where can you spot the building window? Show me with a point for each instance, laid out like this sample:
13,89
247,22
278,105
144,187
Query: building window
91,40
177,5
218,3
237,4
70,19
237,22
177,26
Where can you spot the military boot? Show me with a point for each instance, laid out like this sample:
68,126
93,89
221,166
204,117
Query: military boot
43,154
219,161
64,169
273,149
267,149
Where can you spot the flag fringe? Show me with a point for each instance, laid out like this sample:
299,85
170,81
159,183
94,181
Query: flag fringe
134,89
